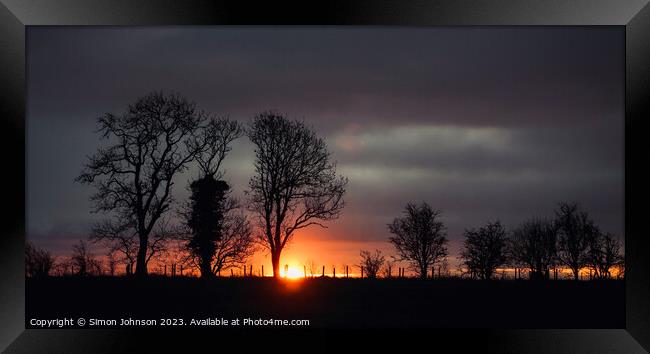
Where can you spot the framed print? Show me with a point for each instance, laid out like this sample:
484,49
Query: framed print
190,173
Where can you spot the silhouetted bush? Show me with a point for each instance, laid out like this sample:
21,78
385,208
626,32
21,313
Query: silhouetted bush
484,250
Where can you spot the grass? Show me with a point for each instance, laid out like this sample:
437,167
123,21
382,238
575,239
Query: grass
340,303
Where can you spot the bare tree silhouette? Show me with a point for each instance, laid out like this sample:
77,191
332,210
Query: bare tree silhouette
419,237
38,262
214,143
484,250
84,261
121,241
575,230
237,243
372,263
295,185
149,144
604,254
534,244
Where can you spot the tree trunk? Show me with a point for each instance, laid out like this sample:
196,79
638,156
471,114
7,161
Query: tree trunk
275,259
141,263
206,268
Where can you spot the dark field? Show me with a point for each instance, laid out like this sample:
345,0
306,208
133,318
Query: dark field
341,303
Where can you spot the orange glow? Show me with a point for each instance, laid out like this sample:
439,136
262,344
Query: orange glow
292,273
322,251
316,253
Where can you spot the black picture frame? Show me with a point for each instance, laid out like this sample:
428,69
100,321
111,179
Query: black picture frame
16,15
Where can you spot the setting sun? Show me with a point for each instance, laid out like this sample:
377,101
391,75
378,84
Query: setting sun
291,273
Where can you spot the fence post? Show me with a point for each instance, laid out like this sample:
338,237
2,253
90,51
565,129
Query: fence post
334,271
362,271
323,271
250,270
346,272
262,269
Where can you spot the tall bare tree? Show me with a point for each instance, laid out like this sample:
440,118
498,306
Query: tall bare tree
575,232
419,237
295,185
484,250
534,245
147,146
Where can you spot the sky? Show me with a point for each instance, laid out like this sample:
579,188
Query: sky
482,123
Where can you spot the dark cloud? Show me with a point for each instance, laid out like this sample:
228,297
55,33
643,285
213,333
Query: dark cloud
483,123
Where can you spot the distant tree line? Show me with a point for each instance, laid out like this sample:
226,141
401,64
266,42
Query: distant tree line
539,246
571,241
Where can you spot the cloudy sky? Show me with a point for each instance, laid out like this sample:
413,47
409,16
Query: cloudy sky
481,123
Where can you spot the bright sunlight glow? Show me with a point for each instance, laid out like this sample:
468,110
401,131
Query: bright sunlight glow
291,273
